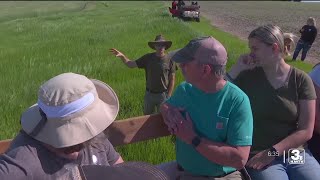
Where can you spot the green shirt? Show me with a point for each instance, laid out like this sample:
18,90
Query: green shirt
275,111
158,70
224,116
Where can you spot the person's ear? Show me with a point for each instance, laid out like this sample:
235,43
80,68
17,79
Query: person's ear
207,69
275,48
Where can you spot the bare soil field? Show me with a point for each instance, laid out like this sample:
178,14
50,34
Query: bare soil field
240,18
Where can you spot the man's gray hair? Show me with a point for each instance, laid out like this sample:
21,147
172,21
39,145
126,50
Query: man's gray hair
218,70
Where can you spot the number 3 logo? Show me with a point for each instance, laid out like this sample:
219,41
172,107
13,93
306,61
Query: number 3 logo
296,155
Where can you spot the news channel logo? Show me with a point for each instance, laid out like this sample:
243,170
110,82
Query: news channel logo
296,156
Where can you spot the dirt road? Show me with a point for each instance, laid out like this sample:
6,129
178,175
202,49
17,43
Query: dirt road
239,18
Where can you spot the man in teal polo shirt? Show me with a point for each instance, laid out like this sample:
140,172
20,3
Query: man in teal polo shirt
210,117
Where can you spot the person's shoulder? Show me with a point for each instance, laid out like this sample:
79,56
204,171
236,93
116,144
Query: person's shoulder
234,90
235,94
298,72
22,139
145,58
23,146
151,54
314,28
100,141
300,76
185,86
148,55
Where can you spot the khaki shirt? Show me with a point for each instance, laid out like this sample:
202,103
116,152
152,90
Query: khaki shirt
157,70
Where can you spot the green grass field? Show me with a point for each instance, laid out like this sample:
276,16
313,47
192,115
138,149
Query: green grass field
42,39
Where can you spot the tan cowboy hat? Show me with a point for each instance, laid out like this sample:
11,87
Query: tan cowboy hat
160,40
71,109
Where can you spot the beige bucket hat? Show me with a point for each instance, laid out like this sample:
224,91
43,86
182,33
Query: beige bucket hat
71,109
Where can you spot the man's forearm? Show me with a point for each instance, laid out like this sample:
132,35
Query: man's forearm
124,59
223,154
305,127
128,62
294,140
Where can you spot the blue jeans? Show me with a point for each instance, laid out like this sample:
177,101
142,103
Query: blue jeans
305,46
278,170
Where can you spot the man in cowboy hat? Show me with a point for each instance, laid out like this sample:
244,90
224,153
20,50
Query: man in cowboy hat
159,70
64,128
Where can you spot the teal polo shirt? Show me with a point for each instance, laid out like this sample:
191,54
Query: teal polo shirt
224,116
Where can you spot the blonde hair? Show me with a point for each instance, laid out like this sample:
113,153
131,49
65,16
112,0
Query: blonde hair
269,34
292,39
311,21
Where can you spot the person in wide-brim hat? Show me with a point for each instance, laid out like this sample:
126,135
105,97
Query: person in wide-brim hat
160,40
65,127
159,72
74,106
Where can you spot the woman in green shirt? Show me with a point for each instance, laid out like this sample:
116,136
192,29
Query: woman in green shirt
282,98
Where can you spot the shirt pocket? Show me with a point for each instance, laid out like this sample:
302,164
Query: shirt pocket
220,126
165,67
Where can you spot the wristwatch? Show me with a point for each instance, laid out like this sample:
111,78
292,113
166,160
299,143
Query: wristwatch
196,141
273,150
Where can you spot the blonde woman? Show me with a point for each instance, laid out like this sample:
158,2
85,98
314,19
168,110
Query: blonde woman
283,100
289,43
308,35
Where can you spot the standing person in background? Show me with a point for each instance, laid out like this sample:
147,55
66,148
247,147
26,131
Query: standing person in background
283,104
180,4
159,72
289,43
308,35
174,4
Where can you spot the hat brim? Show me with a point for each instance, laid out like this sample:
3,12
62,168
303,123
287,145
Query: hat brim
167,44
181,56
92,121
